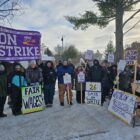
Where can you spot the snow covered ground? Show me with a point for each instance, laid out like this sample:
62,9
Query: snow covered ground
77,122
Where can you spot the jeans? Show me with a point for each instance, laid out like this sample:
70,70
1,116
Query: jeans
49,91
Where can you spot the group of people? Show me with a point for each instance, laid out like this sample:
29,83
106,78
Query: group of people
46,74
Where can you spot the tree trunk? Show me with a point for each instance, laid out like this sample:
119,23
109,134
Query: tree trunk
119,32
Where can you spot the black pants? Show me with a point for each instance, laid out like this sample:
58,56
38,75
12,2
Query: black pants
16,99
105,92
78,96
2,102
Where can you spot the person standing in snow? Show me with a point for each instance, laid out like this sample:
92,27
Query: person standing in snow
49,76
78,85
16,81
3,89
33,74
96,74
63,70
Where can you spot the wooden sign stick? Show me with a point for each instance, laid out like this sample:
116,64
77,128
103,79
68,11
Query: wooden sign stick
81,93
68,92
135,74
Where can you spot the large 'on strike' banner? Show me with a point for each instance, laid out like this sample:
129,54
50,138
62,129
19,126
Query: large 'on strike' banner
19,44
122,105
32,99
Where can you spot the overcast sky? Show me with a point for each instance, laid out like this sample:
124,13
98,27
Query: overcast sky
47,16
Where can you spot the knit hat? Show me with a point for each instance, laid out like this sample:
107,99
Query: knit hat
18,66
2,68
32,62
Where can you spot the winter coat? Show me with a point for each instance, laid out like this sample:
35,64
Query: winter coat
125,80
106,81
49,75
62,71
113,74
3,84
16,81
34,75
95,74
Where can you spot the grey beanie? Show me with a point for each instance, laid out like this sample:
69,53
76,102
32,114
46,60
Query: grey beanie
2,68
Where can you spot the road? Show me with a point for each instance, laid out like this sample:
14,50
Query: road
76,122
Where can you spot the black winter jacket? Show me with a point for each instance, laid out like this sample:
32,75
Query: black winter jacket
49,75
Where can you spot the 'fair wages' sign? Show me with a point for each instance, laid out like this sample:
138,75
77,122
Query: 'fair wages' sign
32,99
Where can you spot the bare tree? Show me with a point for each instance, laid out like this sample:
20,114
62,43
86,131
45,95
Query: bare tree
9,8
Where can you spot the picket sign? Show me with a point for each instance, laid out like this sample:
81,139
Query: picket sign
81,77
111,58
122,105
131,56
67,78
121,65
93,93
89,55
93,86
32,99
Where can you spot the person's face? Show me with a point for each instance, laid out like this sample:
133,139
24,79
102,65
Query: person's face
103,64
33,66
95,62
65,63
18,69
49,65
114,68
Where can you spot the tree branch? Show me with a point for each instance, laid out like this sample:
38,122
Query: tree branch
131,17
9,10
4,3
132,27
131,4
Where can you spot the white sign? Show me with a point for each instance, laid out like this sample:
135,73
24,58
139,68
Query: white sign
122,105
93,97
81,77
93,86
67,78
93,93
111,58
121,65
89,55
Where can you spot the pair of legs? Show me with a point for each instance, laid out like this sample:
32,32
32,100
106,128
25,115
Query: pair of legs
78,96
62,89
16,100
49,91
105,93
2,103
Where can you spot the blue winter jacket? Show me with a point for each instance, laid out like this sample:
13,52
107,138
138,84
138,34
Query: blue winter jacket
61,71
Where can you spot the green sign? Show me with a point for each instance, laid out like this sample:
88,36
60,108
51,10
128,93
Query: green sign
32,99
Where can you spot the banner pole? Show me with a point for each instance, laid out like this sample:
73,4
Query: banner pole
81,93
117,78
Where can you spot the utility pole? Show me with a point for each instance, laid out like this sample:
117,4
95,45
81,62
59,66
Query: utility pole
62,39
